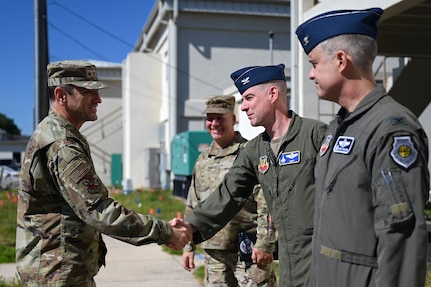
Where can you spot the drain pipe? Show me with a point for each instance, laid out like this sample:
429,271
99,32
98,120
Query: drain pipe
294,57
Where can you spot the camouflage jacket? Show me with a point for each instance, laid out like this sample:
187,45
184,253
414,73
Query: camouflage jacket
209,170
63,208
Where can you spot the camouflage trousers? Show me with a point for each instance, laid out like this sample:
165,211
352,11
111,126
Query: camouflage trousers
224,269
90,283
36,283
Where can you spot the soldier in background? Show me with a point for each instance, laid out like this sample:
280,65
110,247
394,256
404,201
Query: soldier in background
229,261
63,207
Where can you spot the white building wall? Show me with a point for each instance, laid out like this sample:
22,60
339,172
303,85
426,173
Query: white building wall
196,51
425,120
199,52
210,51
142,101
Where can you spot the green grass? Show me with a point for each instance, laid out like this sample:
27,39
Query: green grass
7,226
199,274
10,283
7,234
160,203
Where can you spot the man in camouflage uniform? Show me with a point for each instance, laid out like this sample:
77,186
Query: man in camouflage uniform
223,264
63,207
281,160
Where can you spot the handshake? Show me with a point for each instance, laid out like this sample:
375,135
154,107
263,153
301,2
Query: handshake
182,233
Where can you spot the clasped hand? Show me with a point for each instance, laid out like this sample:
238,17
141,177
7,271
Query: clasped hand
182,233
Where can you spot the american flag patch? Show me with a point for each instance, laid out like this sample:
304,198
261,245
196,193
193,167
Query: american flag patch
79,172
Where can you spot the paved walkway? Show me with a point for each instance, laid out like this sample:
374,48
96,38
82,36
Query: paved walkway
131,266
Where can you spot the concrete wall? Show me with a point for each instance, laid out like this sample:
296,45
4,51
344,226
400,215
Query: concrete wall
142,101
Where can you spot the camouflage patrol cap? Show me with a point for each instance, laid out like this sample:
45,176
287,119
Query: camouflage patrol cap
74,72
219,104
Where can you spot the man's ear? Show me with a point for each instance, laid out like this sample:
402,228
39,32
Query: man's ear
273,93
341,59
59,95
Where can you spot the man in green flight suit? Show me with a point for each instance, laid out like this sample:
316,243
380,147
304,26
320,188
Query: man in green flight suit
282,160
372,177
226,264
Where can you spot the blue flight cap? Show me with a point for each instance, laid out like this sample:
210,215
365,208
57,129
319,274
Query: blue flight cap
338,22
251,76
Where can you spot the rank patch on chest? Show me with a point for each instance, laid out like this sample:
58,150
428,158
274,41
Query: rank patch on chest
403,151
263,164
290,157
344,144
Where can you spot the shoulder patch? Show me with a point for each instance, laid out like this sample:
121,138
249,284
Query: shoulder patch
403,151
79,172
92,184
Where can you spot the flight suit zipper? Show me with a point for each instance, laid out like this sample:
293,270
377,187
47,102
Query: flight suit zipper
329,188
292,183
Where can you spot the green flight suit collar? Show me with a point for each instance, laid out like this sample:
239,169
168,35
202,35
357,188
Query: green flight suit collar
294,128
364,105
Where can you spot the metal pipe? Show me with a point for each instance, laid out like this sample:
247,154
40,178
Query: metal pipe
271,38
294,95
41,99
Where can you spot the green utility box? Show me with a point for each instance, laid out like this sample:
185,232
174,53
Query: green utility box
185,149
116,169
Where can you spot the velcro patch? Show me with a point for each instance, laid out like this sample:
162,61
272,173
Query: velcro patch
403,151
263,164
290,157
79,172
344,144
92,184
325,145
398,121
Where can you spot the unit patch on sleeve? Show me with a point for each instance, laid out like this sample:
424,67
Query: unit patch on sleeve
290,157
92,184
403,151
344,144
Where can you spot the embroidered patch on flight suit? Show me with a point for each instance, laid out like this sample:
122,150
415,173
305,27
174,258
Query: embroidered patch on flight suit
92,184
398,121
344,144
290,157
403,151
325,145
263,164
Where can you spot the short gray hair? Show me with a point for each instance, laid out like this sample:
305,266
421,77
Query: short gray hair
362,49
